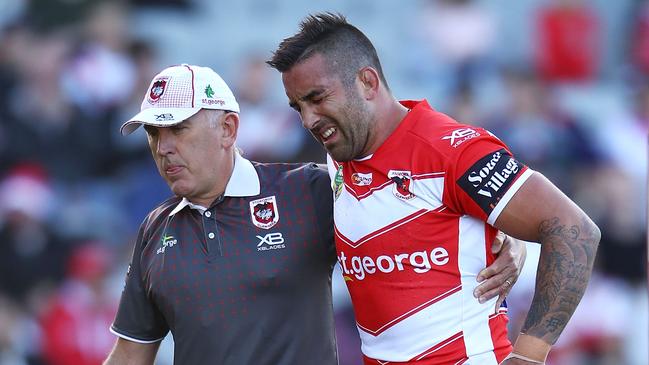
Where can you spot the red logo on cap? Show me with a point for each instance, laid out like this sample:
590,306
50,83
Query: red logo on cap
157,89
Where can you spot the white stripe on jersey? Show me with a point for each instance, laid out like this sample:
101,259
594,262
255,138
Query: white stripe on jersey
475,316
508,196
354,224
412,336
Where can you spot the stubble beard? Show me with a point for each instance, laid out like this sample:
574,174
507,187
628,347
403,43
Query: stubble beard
356,133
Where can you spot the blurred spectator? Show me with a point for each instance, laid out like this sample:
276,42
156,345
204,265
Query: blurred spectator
640,39
622,134
611,195
568,41
268,131
102,53
178,4
541,135
43,126
460,34
48,15
75,326
18,335
32,254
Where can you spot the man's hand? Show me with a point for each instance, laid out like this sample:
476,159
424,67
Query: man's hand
503,273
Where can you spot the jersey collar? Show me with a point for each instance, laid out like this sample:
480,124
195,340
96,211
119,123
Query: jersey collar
243,182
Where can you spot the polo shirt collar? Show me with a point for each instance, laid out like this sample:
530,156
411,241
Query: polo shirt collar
243,182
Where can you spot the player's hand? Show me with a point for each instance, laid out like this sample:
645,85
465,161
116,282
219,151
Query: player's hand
502,274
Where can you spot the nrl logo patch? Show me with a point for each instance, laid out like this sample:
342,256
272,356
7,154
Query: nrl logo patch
264,212
157,89
337,184
402,187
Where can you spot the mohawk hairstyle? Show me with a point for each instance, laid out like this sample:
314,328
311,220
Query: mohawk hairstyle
345,48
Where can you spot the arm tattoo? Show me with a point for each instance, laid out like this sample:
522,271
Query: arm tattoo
567,256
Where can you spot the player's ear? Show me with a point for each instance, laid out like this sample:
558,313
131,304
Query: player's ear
369,81
230,127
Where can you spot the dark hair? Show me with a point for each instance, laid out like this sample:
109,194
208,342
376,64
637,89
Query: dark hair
338,41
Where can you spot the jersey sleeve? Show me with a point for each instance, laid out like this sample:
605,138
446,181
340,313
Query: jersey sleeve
323,201
482,176
138,319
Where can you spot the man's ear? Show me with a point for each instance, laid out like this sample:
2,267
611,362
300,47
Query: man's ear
230,127
369,82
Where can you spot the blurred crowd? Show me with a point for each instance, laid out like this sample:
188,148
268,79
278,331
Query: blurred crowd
73,191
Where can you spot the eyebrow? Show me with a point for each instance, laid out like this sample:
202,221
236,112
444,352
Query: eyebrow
306,97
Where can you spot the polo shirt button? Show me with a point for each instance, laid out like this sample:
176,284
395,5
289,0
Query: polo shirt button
208,213
211,235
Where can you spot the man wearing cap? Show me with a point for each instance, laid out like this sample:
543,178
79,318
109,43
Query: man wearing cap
237,265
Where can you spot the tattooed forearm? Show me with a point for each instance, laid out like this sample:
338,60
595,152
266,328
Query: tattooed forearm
567,256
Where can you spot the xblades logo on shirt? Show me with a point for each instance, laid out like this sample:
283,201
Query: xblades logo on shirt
459,136
271,241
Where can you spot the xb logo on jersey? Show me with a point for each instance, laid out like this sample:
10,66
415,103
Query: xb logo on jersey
459,136
271,241
167,241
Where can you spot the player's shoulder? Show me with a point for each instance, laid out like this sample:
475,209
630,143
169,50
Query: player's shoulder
443,132
291,172
160,212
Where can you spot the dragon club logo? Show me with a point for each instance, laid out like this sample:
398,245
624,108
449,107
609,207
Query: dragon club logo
157,89
263,212
402,187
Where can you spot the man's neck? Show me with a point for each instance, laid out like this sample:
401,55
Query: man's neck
210,197
389,115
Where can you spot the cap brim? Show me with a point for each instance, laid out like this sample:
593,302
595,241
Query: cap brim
158,117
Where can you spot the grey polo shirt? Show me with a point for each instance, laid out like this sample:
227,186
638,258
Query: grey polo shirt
246,280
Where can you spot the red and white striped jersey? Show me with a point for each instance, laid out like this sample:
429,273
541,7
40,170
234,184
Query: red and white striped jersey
413,230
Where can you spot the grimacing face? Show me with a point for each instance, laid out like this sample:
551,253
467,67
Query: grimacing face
336,116
189,156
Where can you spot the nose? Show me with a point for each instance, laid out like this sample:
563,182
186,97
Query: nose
166,142
309,118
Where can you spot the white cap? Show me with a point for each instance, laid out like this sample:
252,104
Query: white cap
177,93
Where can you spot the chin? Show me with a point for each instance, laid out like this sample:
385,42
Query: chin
340,157
178,189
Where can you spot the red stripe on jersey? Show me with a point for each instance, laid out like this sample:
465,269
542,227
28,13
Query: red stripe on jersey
381,231
411,312
498,326
381,296
449,351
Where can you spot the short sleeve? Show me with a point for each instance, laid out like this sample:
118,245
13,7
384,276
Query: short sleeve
323,201
138,319
482,177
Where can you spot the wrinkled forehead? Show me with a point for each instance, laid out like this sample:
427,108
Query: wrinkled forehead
311,73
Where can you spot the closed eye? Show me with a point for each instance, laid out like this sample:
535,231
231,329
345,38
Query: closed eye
177,128
151,131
